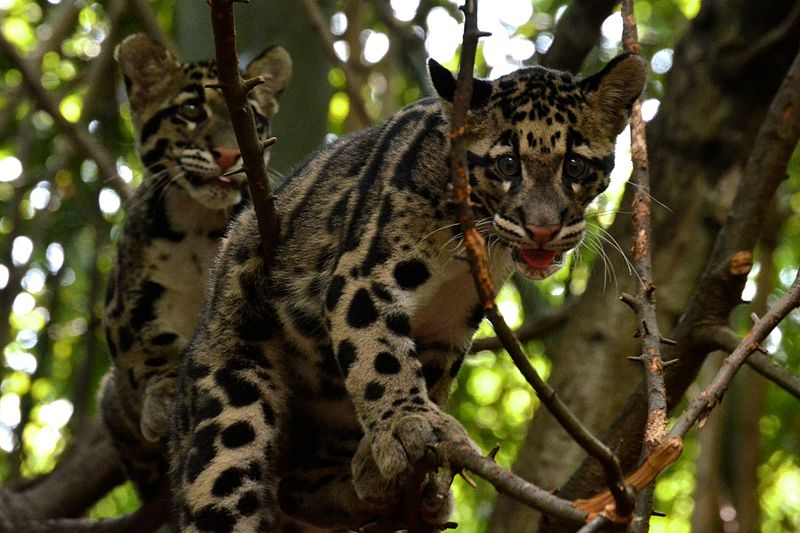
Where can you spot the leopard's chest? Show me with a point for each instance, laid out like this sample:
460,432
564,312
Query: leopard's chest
182,270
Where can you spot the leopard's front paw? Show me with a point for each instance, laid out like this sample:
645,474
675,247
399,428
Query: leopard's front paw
403,441
156,409
384,462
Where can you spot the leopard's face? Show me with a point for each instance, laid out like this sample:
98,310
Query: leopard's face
186,135
543,149
183,128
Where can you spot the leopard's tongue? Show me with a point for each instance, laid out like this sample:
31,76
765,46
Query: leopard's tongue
538,259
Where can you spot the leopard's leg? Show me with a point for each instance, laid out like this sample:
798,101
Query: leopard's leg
227,426
144,461
375,347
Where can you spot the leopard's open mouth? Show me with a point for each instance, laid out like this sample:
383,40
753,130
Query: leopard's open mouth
224,182
537,264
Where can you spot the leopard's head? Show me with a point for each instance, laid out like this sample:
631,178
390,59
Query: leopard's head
540,149
182,125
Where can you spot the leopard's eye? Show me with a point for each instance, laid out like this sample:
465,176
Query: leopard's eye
508,166
575,166
191,111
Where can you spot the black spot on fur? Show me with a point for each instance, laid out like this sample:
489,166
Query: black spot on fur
379,290
362,310
399,324
211,518
238,434
374,391
345,356
334,292
411,274
386,363
155,361
195,371
202,452
248,503
162,339
210,408
227,482
239,391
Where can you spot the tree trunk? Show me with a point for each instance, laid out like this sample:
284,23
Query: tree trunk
715,98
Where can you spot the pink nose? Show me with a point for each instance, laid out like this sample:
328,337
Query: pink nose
225,157
542,234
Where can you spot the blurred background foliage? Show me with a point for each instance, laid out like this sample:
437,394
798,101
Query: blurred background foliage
60,215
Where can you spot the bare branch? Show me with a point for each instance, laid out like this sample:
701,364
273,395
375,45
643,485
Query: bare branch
351,88
577,31
534,327
724,338
244,126
644,304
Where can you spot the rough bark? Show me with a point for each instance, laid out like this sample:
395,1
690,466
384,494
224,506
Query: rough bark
695,165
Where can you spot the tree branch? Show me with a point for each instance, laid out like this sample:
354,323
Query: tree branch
700,407
644,304
353,91
576,33
724,338
244,125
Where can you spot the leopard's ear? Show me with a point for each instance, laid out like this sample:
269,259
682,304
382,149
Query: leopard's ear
275,65
145,65
445,84
612,91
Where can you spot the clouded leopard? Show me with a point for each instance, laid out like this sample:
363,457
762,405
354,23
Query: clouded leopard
172,229
313,384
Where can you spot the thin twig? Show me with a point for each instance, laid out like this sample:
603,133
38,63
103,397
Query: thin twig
644,303
506,482
476,253
353,91
244,125
724,338
712,395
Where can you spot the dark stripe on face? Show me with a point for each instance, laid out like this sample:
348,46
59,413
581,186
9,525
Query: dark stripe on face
156,154
151,126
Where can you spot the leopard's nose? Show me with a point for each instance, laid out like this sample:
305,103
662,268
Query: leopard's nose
542,234
225,158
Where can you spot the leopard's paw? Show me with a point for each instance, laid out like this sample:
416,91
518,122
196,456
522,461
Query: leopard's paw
156,409
403,440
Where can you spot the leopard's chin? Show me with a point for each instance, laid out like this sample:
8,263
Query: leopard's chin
537,264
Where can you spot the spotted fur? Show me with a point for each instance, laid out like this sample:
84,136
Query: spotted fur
313,385
172,229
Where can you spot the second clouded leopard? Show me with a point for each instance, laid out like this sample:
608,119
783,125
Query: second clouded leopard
312,385
172,229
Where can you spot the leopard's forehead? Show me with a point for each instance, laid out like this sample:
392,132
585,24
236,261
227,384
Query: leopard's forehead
536,93
200,71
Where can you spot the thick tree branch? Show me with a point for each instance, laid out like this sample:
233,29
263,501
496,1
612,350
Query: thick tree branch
77,134
576,33
353,91
244,126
